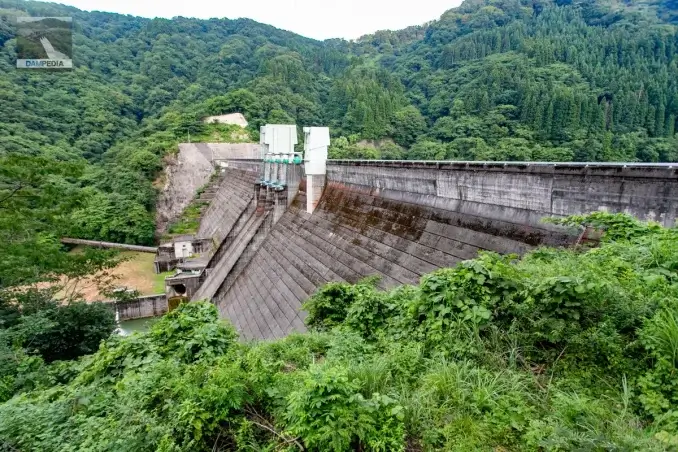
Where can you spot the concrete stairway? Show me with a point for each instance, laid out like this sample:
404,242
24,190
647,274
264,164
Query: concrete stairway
211,188
216,277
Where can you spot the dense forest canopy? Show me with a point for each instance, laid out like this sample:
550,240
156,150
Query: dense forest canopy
490,80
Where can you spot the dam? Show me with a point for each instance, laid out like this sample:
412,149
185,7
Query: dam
283,225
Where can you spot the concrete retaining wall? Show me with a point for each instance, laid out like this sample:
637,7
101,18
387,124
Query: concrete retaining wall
142,307
234,151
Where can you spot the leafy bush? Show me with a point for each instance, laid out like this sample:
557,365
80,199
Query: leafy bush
475,291
329,306
617,226
558,350
54,331
329,413
76,329
192,333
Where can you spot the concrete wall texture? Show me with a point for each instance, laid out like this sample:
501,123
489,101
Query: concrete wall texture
235,194
400,220
142,307
191,170
234,151
649,192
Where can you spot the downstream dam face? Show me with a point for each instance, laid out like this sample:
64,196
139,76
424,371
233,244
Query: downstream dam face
400,220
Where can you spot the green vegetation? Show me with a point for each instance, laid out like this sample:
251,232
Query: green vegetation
558,350
490,80
189,221
159,281
529,80
35,329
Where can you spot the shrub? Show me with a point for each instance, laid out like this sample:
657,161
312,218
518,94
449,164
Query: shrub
193,332
659,388
77,330
475,291
330,306
617,226
329,413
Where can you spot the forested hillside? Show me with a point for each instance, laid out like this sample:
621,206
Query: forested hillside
139,87
491,80
558,350
535,81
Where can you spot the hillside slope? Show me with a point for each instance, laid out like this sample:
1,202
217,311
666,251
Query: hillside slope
536,80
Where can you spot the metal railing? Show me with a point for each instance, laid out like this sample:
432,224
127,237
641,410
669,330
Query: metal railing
502,163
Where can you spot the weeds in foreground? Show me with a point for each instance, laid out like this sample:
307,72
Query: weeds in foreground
559,350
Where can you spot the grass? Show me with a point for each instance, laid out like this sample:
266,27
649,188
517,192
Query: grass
189,222
224,133
159,281
138,271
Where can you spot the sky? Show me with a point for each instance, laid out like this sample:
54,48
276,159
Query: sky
319,19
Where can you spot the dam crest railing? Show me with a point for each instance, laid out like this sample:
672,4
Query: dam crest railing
489,163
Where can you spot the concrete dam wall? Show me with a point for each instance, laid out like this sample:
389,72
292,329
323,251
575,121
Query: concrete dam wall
232,199
647,191
400,220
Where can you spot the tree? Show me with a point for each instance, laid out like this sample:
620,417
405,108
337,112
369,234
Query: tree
279,117
408,125
237,101
113,218
55,331
36,194
427,150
